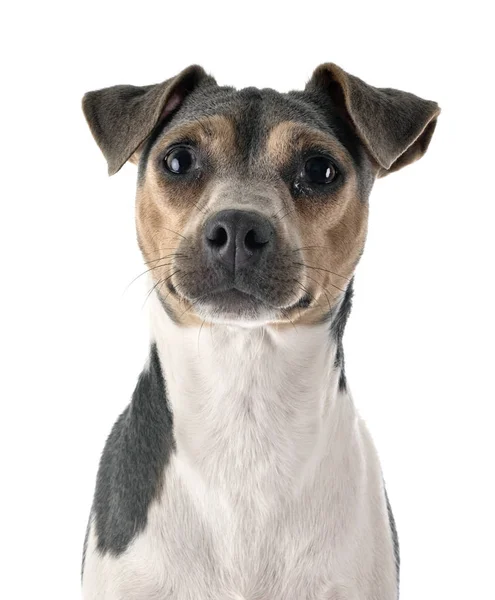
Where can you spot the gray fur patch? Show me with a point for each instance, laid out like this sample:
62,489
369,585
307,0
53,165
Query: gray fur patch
133,462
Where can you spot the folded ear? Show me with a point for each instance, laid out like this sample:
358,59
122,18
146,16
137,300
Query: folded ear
395,127
123,116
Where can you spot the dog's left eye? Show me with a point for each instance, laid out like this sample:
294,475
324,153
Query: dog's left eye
319,170
180,160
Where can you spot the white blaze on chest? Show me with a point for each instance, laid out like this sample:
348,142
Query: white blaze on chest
274,490
249,403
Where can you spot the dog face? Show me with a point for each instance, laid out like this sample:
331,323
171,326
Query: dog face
252,205
251,208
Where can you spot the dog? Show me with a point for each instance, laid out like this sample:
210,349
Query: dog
241,469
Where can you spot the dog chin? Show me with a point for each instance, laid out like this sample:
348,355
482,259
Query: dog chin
234,307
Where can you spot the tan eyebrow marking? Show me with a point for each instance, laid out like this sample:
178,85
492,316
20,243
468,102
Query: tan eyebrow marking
217,132
289,136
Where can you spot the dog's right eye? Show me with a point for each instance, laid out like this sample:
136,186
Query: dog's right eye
180,160
319,170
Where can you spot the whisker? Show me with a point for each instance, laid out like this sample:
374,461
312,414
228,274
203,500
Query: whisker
144,273
192,303
327,271
156,266
175,232
298,307
286,214
178,273
308,292
148,262
278,211
159,282
284,207
324,289
157,239
308,247
150,292
284,312
161,249
201,209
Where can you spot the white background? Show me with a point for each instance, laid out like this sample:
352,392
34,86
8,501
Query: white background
419,344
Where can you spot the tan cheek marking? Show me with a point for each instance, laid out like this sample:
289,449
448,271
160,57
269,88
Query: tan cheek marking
155,223
332,231
332,235
163,211
333,249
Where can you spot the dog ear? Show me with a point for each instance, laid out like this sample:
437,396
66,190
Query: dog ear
123,116
395,127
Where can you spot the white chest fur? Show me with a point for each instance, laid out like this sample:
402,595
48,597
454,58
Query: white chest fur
274,491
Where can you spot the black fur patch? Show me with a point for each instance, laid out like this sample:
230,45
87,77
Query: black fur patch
133,462
337,327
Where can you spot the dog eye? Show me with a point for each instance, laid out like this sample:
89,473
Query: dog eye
180,160
319,170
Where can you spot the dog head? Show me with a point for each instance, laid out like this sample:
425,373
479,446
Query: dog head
252,205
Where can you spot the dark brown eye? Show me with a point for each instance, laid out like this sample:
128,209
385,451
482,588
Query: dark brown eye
319,170
180,160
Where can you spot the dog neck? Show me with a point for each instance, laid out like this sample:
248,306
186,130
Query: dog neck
254,408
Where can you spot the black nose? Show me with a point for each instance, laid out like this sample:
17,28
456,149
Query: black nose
238,238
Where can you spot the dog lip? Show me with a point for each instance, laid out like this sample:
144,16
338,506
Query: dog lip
236,293
233,294
232,300
217,292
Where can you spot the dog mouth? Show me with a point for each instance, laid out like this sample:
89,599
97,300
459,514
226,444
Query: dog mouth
269,290
233,304
236,304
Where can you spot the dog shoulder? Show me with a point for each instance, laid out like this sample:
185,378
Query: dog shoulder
133,462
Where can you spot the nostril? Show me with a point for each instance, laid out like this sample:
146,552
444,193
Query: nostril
218,237
253,242
237,239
